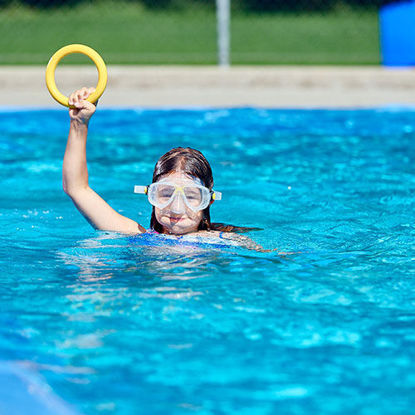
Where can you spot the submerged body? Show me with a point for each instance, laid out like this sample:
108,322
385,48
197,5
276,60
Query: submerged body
199,240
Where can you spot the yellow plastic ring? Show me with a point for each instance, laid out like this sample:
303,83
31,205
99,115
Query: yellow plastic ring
61,53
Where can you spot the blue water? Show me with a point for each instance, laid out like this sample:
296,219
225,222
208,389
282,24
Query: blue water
114,327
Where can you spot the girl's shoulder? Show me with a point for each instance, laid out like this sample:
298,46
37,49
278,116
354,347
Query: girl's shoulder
229,236
232,238
207,234
213,237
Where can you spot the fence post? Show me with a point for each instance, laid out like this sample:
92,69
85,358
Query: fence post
223,12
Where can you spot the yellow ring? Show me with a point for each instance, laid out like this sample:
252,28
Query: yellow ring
61,53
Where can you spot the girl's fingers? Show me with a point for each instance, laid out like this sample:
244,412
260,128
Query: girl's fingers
80,95
71,98
84,93
88,106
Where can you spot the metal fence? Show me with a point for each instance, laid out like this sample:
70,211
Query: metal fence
193,31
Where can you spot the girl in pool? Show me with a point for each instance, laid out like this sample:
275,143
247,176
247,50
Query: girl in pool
181,192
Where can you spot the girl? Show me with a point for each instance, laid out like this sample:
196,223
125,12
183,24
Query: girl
181,192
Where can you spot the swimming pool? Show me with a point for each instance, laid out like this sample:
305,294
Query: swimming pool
115,327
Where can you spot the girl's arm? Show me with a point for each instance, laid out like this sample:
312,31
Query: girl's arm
75,172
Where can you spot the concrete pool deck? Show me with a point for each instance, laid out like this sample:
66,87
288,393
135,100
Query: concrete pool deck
184,86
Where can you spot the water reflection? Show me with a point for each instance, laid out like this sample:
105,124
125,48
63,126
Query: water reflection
107,256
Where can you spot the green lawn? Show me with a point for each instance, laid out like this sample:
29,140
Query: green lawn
347,38
126,33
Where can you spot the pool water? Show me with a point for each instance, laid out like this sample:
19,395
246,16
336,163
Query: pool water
115,327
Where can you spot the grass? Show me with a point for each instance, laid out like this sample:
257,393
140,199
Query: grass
127,33
346,38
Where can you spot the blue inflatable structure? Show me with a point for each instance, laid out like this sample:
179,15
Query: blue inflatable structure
397,33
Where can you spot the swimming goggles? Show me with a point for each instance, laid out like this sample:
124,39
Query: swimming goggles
163,193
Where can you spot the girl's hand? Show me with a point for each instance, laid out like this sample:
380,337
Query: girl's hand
84,109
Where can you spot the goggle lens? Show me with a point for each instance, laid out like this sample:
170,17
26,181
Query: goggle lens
194,196
162,194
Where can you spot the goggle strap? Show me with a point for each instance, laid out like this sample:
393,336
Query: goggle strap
141,189
217,196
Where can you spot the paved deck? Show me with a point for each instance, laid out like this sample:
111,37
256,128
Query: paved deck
274,87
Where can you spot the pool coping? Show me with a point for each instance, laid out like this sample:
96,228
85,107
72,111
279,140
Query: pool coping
210,86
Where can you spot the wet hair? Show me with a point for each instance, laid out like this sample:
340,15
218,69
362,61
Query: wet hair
192,163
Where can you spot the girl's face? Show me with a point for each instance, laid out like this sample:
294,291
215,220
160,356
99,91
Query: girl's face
178,223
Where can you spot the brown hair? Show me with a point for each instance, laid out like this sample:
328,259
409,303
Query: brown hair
192,163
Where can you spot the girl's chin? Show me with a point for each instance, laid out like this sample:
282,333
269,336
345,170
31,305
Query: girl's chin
180,224
178,228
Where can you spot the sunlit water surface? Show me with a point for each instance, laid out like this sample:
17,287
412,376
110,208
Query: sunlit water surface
118,327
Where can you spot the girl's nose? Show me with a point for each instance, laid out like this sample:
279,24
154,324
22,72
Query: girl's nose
177,205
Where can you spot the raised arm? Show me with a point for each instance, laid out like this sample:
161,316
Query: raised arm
75,172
